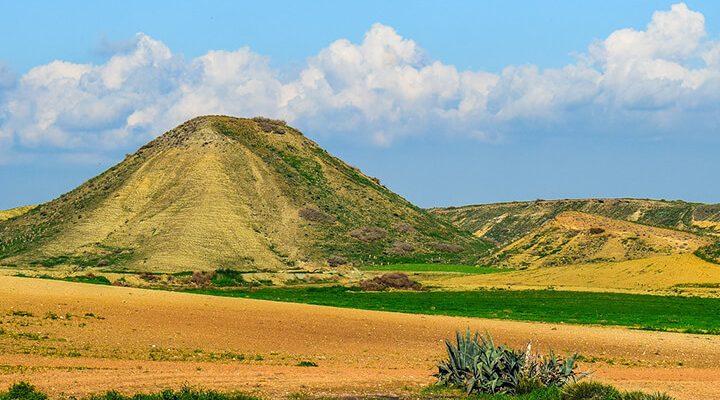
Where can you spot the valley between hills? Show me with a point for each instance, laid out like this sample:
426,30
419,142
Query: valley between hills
188,261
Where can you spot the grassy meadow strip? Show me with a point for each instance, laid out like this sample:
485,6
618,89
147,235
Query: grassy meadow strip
456,268
662,313
579,391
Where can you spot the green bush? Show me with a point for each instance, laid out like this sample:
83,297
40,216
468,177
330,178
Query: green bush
25,391
183,394
22,391
476,364
590,391
306,364
599,391
645,396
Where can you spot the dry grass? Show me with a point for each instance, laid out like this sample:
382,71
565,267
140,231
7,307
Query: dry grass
577,238
220,192
667,274
14,212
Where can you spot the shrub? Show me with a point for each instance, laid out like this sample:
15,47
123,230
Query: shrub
202,278
229,277
404,227
477,365
185,393
392,280
306,364
148,277
401,248
315,215
590,391
271,125
336,261
445,247
368,234
23,391
596,231
21,313
644,396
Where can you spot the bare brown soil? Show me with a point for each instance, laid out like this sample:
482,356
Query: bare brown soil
83,339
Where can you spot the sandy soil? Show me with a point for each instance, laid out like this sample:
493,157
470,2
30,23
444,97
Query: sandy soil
84,339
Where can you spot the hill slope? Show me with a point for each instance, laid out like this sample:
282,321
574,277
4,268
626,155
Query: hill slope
519,226
14,212
577,238
222,192
504,223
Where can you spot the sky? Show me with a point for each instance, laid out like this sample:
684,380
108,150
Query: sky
448,103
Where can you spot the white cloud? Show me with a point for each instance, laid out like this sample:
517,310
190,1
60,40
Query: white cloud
661,79
7,77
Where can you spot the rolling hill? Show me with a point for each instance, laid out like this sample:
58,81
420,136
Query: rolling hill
578,238
526,232
222,192
504,223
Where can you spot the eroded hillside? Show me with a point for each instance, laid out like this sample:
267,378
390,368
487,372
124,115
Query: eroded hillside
577,238
222,192
533,226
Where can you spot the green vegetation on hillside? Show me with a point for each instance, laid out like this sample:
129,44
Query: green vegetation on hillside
504,223
681,314
710,253
230,193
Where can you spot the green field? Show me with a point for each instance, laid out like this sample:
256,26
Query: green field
682,314
463,269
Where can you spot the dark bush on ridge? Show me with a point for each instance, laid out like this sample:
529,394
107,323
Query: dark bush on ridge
315,215
401,248
393,280
445,247
336,261
368,234
404,227
271,125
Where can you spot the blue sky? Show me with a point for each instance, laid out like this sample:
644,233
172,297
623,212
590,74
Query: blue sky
453,104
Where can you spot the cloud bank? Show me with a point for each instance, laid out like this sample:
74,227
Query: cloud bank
663,80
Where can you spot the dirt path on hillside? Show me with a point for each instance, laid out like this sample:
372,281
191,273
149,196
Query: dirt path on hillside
83,339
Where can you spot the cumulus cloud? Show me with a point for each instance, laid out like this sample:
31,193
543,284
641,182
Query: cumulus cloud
662,79
7,77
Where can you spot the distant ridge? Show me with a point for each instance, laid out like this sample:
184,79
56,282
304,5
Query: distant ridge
522,229
14,212
223,192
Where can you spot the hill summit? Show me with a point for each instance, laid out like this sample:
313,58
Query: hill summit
222,192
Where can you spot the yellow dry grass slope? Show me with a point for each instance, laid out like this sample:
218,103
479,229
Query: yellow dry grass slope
673,273
188,194
576,238
221,192
14,212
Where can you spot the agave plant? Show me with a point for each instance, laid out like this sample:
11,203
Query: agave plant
476,364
